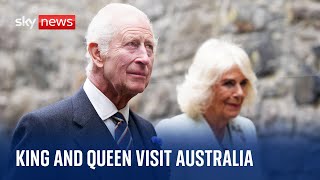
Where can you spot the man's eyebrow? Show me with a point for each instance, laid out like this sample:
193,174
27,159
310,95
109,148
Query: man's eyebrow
128,37
151,41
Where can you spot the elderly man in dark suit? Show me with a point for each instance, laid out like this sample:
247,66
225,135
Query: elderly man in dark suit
121,49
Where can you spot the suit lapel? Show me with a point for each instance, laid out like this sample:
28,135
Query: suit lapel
92,132
144,132
137,138
91,129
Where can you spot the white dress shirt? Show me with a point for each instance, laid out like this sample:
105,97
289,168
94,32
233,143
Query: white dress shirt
103,106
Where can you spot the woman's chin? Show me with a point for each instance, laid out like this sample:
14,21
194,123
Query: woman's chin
232,115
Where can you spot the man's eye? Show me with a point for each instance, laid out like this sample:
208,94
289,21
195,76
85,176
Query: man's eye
132,44
149,46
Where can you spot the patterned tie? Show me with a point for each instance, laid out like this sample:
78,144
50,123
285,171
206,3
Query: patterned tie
122,133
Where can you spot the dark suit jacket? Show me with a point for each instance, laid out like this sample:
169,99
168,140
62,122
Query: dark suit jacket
74,124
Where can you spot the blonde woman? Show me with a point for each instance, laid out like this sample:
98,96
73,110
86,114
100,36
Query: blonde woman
218,84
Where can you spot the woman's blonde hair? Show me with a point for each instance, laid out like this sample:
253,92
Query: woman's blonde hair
213,58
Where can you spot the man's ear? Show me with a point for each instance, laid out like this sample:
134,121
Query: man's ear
95,54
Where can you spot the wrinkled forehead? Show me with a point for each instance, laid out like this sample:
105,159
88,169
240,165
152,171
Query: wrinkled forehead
131,21
132,28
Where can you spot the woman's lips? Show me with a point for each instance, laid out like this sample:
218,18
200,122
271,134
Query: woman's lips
235,106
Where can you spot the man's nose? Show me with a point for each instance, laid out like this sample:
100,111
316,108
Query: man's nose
143,57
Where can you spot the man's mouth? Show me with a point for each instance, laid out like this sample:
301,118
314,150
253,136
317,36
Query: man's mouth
138,73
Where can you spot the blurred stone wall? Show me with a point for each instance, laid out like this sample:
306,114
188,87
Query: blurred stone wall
281,37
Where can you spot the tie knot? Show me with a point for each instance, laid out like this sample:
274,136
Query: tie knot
122,133
118,118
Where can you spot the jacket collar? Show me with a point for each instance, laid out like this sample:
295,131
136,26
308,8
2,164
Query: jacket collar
92,133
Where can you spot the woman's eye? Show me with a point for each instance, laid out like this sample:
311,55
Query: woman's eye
228,83
244,83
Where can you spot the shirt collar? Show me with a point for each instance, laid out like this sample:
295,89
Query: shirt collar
103,106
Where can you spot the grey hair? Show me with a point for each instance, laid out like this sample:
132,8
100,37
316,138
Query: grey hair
212,59
102,29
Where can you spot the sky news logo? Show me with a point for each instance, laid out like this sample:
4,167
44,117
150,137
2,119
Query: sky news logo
49,22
